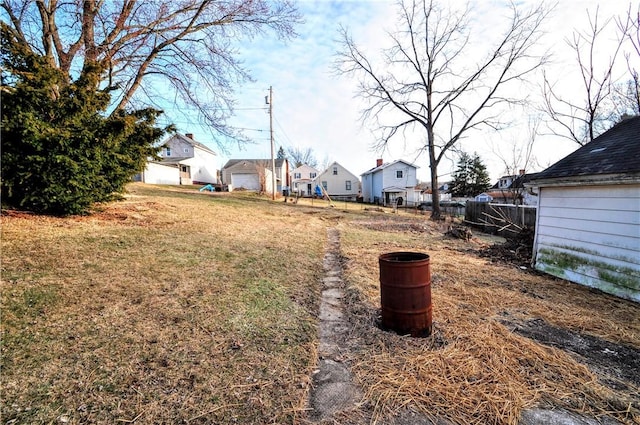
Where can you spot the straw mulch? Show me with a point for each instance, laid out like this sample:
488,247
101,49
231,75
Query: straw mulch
474,369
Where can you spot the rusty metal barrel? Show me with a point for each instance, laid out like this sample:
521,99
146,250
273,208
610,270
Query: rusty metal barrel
405,293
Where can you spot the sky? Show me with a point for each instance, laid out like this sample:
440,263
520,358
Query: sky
315,108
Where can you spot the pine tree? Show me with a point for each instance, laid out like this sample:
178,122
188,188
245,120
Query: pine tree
60,153
470,177
480,180
461,177
281,153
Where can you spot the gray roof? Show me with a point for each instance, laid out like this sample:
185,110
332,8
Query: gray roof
385,165
613,152
233,162
190,141
200,145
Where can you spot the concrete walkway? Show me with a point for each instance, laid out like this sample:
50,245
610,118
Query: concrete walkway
333,389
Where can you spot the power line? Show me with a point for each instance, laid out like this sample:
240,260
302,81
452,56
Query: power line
193,108
284,132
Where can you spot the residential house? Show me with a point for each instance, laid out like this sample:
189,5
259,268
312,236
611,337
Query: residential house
425,192
301,179
255,174
155,172
391,184
511,190
505,181
524,195
588,218
339,183
182,161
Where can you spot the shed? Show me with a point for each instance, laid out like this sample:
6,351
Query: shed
588,218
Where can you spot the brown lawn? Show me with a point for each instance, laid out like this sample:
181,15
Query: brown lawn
176,306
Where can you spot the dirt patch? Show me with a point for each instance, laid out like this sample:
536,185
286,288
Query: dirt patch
517,251
617,365
396,224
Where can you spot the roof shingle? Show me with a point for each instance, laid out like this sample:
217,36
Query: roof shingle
617,151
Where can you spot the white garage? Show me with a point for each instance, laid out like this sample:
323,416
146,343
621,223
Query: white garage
588,217
245,180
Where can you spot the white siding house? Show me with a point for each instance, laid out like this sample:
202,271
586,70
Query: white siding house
302,179
182,161
195,162
339,183
588,218
393,183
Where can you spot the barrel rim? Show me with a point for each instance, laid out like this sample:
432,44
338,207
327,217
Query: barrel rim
402,257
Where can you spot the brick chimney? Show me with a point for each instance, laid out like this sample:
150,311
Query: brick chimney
378,162
190,136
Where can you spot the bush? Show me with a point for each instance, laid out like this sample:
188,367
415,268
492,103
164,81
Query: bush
60,152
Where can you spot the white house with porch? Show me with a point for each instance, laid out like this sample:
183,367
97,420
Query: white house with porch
182,161
302,180
391,184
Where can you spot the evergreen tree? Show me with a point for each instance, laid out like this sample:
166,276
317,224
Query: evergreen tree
60,153
470,177
461,177
281,153
480,180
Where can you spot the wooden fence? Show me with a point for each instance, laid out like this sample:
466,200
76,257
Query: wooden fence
501,219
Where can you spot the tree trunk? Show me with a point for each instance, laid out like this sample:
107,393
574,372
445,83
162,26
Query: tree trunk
433,164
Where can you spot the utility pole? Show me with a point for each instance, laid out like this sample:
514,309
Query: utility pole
273,161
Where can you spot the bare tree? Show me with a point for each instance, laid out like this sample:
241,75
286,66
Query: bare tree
426,77
581,118
324,163
262,168
152,49
626,96
302,156
517,157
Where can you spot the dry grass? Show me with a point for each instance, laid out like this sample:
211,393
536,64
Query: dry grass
182,307
474,370
169,307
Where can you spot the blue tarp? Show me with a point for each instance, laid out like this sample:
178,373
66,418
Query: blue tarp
318,191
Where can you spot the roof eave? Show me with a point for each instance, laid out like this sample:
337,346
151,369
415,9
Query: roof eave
590,179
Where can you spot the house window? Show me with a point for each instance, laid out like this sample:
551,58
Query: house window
399,174
312,175
184,168
347,185
186,150
167,151
324,184
296,175
335,171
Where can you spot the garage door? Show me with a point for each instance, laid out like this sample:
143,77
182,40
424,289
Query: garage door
245,180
